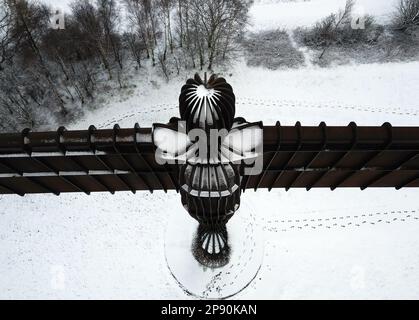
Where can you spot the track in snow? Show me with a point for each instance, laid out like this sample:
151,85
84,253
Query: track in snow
162,111
247,249
336,222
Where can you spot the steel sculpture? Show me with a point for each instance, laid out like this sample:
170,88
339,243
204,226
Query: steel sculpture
171,157
209,163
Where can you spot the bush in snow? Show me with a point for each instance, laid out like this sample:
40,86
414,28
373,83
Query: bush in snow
337,29
272,49
406,17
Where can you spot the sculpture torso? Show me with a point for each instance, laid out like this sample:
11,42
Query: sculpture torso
209,173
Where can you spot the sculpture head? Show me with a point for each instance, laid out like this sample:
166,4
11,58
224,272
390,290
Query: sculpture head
207,104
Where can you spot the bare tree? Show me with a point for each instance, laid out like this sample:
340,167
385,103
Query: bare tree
164,13
87,18
337,20
31,20
180,19
136,46
109,17
407,14
142,14
210,28
7,36
50,73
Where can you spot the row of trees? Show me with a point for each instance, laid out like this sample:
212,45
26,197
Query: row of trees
185,33
205,31
48,72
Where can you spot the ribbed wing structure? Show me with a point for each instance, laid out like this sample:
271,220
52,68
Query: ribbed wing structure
124,160
82,161
338,157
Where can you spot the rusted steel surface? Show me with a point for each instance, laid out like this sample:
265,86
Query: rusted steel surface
334,157
81,161
123,160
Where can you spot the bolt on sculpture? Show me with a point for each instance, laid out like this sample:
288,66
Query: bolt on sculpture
210,147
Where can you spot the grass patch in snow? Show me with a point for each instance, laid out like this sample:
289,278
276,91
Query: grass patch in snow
272,49
335,40
386,46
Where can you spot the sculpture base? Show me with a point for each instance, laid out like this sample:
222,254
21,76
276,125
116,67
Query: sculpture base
210,246
218,279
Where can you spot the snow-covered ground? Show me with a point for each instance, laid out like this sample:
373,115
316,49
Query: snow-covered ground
357,244
288,14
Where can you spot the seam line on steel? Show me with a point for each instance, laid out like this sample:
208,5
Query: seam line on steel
354,128
278,147
137,127
324,142
385,147
125,160
278,177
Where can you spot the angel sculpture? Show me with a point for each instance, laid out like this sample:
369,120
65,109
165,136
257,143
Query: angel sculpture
210,149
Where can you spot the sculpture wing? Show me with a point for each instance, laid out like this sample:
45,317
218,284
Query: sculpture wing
243,142
173,146
119,159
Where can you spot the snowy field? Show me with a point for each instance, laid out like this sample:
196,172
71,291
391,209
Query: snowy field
354,245
269,14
